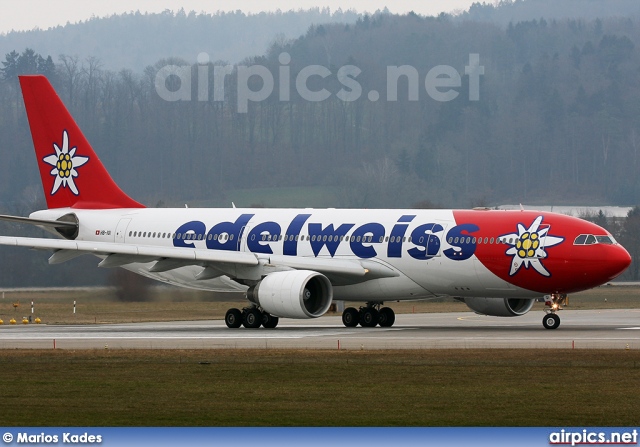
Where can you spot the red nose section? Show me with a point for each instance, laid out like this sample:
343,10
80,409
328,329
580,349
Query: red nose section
617,262
591,266
543,252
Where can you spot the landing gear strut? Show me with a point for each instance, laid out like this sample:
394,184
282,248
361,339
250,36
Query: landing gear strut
370,315
554,304
251,318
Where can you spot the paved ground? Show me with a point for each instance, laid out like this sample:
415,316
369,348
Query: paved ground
602,329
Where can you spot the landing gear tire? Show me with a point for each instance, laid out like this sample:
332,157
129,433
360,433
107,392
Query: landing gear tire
350,317
252,318
269,321
387,317
551,321
369,317
233,318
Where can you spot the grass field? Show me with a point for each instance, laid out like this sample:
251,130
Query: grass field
306,388
315,388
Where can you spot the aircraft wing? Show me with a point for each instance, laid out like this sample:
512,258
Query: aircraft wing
136,253
216,262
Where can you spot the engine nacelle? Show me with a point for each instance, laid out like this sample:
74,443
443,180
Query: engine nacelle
500,307
293,294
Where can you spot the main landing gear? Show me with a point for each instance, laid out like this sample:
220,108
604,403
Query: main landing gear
251,318
370,315
554,304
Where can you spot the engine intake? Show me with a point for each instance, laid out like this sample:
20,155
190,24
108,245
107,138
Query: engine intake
293,294
500,307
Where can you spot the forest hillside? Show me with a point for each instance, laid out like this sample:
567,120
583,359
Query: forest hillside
537,111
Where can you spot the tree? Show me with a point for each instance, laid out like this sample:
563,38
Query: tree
47,68
10,66
631,239
28,62
70,72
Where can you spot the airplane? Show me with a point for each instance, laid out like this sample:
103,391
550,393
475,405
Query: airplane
293,263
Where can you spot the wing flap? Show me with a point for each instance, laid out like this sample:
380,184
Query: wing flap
166,264
60,256
118,260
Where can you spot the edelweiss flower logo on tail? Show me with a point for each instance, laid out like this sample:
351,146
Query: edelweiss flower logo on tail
528,247
64,163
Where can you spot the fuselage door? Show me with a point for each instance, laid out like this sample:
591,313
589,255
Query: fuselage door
121,230
431,239
242,239
436,239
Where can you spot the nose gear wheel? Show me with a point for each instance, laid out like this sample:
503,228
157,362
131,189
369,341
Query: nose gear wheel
553,304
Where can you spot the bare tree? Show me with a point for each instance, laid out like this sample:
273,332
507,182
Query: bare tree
70,73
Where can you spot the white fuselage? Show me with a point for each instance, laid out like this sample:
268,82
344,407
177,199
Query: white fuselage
397,240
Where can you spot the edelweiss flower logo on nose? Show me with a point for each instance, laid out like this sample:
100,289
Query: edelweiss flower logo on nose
64,163
528,247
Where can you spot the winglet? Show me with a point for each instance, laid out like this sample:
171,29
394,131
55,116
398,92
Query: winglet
71,173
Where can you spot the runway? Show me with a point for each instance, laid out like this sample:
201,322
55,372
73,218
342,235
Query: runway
593,329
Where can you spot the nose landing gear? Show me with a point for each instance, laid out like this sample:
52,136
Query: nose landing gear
554,303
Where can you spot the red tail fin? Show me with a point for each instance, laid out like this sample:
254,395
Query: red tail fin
72,175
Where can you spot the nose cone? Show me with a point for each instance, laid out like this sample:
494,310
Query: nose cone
618,260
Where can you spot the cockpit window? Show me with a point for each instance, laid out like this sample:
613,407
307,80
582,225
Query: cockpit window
580,240
604,240
590,239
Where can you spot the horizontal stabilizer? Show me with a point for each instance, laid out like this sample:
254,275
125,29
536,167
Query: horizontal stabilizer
43,222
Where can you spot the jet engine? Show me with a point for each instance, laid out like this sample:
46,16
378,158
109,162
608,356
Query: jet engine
500,307
293,294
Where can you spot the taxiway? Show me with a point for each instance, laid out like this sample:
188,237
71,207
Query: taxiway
593,329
